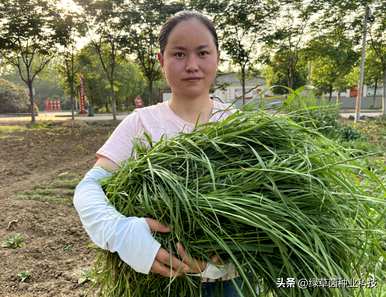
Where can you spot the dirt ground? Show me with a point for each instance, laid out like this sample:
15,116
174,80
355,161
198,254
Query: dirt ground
39,168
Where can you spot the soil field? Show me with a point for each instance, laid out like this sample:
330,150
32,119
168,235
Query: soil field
39,169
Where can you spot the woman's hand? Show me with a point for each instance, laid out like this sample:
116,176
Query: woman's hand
168,265
195,266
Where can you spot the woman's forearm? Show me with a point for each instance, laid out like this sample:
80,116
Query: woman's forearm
130,237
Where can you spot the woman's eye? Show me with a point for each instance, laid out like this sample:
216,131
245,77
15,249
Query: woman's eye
179,54
204,53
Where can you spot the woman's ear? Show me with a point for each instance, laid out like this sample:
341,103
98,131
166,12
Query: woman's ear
160,59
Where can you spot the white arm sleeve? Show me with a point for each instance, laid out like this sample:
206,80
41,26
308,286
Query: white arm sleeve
130,237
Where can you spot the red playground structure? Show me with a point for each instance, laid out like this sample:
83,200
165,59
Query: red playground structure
52,105
82,97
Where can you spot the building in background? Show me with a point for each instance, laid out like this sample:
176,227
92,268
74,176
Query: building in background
372,99
227,88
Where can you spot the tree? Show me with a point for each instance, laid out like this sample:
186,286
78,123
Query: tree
71,23
241,24
276,72
286,38
29,37
373,71
332,57
378,42
106,32
46,83
334,11
141,37
128,81
96,84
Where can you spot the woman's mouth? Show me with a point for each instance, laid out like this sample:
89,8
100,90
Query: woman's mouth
192,78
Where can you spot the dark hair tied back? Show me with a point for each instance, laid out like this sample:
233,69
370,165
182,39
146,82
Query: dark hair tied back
183,16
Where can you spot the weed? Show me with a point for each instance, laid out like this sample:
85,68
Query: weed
68,247
13,241
87,276
23,276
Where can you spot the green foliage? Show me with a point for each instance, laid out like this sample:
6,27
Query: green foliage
241,24
30,34
8,129
276,74
46,84
13,241
303,107
129,82
68,248
273,197
141,38
13,98
23,276
373,69
348,133
283,43
87,276
332,57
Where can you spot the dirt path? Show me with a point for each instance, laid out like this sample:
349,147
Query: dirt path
39,169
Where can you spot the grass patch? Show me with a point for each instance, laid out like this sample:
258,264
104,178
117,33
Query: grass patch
60,190
51,199
43,125
8,129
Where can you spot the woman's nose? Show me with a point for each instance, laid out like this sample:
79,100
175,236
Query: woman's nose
191,63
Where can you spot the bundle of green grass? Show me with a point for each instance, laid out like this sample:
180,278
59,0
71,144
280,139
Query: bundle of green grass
276,199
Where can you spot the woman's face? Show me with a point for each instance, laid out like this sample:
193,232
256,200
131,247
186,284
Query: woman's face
190,59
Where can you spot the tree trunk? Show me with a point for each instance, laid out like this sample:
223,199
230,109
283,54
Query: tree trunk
72,87
375,92
32,102
243,83
291,71
113,103
290,79
330,93
338,97
72,101
76,103
151,92
384,92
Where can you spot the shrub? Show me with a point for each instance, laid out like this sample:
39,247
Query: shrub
13,98
305,108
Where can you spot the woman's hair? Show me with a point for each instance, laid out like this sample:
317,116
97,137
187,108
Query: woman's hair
173,21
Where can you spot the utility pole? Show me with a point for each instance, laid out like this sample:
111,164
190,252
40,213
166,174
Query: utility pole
362,69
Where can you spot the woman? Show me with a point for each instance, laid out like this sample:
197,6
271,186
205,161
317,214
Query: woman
189,57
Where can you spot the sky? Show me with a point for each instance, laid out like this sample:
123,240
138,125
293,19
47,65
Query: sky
68,5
